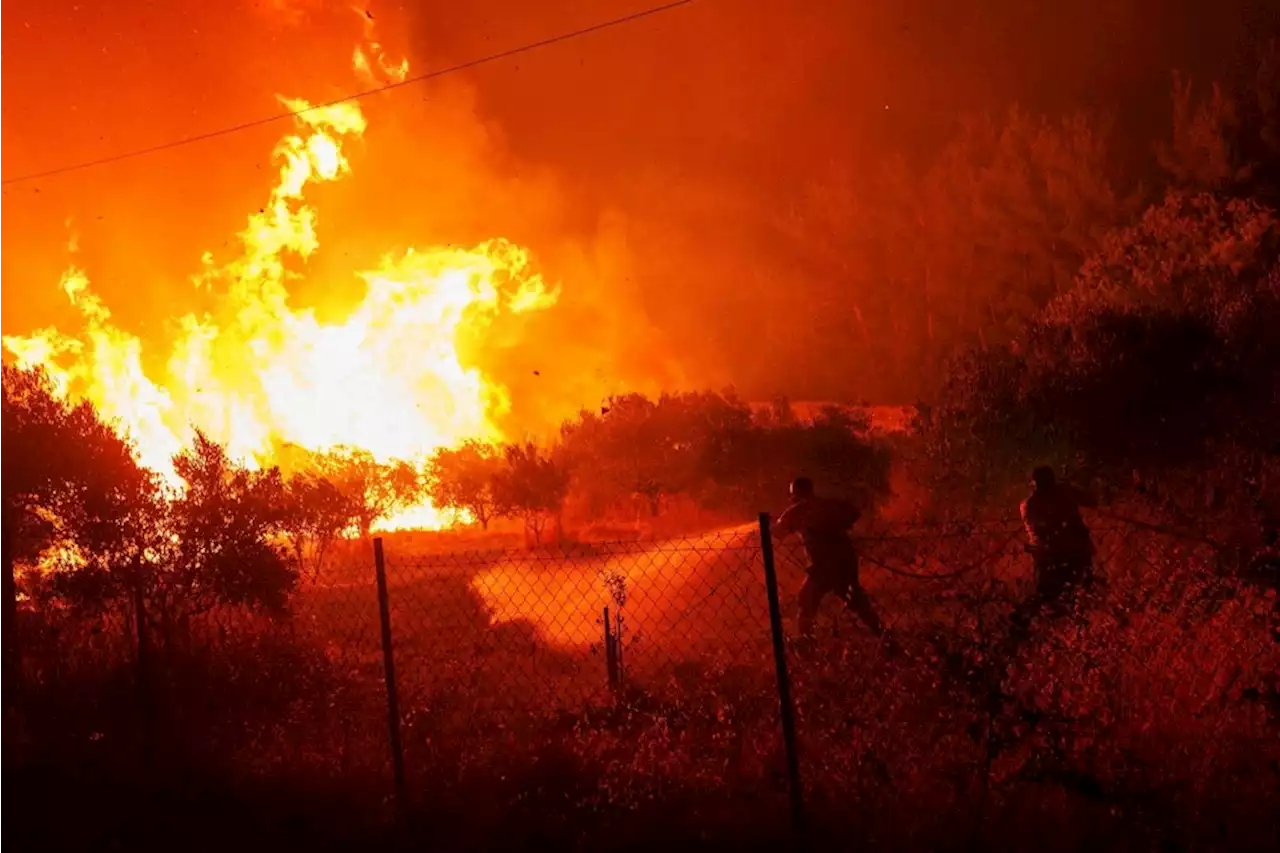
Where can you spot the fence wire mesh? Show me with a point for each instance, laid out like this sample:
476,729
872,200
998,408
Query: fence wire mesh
554,629
1169,642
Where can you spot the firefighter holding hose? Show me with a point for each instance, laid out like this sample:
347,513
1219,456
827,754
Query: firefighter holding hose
823,525
1060,546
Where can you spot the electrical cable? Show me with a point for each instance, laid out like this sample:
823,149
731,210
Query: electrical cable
409,81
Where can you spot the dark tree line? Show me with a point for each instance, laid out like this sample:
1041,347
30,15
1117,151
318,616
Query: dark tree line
1156,370
913,263
636,457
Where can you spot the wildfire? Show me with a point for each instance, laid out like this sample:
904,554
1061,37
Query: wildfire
257,375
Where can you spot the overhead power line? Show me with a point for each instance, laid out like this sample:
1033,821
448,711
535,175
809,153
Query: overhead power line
408,81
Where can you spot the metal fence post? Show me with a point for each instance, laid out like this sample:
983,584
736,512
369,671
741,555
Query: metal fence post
618,657
610,652
389,675
786,707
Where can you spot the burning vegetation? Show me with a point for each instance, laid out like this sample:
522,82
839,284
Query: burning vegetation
265,380
567,626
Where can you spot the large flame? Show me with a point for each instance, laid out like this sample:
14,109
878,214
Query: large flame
256,374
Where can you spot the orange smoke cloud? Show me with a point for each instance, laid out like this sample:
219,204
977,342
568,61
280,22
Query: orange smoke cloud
367,301
257,373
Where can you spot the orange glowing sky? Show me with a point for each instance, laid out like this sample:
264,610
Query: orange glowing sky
640,165
429,174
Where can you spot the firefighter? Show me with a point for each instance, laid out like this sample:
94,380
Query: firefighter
823,525
1059,544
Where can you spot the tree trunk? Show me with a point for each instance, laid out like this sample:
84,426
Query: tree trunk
12,660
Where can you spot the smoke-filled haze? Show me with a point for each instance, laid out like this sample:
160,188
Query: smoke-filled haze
651,170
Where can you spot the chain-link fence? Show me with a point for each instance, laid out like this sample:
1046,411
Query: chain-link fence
451,657
559,627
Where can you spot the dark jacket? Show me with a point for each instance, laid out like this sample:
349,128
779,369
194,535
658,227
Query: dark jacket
1055,530
823,525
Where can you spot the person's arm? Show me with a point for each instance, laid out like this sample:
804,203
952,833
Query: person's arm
1027,526
785,524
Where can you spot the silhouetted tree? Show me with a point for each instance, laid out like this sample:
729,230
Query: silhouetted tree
1198,154
1009,212
532,487
1164,351
626,451
964,252
211,542
68,479
749,466
463,479
1192,252
219,545
376,489
318,513
650,449
1228,140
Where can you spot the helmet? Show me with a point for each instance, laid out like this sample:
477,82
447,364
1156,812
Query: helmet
801,487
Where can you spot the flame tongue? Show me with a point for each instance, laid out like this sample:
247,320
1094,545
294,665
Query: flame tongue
259,374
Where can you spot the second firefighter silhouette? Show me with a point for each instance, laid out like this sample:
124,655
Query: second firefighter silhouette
823,525
1059,544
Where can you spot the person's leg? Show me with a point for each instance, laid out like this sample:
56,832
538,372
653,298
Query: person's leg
1076,583
811,595
1029,610
1054,590
857,600
1057,584
1064,585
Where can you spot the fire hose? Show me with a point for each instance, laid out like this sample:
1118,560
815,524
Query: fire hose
906,573
1145,525
1198,538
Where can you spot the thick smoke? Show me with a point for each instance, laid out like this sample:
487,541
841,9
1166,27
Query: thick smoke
432,172
653,170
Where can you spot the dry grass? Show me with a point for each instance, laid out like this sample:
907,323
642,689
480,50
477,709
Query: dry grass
1154,699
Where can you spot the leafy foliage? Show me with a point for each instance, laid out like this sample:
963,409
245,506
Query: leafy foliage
218,541
647,449
376,490
463,479
962,253
64,477
213,542
68,477
317,514
1160,359
750,465
1190,253
1229,140
1199,152
532,487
